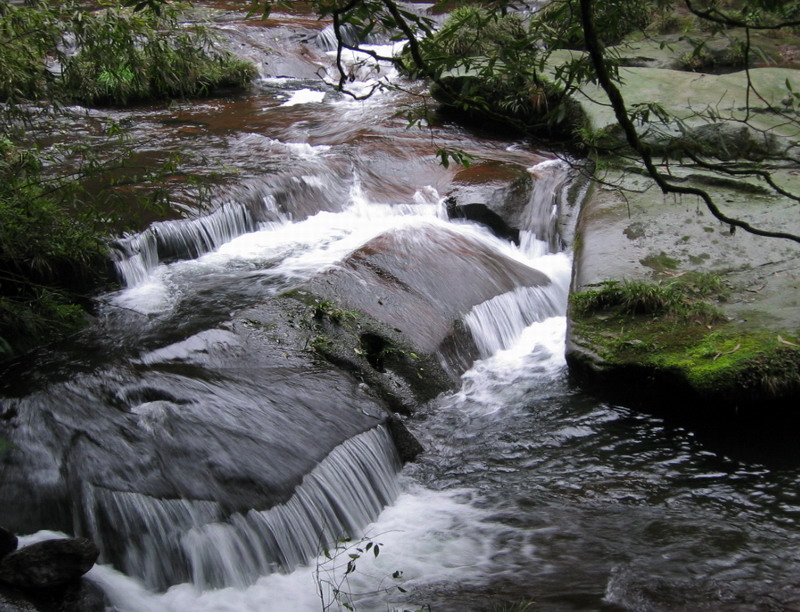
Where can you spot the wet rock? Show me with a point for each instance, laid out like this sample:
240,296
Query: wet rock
48,563
408,447
504,188
742,359
8,542
481,213
222,422
422,282
75,596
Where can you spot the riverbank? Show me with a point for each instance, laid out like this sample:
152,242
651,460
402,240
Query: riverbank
743,350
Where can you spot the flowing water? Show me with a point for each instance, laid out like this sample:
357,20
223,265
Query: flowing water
529,490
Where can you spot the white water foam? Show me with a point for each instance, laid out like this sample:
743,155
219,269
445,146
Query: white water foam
539,235
305,96
427,536
290,250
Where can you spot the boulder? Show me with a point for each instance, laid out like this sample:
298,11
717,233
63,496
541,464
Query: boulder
75,596
482,214
741,352
421,283
504,188
48,563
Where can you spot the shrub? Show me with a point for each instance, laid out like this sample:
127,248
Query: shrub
487,65
48,251
126,57
614,19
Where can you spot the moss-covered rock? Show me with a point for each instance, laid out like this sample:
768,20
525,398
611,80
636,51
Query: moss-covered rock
689,352
728,343
381,357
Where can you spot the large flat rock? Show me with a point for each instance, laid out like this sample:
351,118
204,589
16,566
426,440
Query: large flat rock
421,282
226,421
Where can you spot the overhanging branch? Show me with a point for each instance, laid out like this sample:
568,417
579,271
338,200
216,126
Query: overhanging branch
597,57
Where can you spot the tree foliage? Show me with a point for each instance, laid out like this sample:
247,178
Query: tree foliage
52,227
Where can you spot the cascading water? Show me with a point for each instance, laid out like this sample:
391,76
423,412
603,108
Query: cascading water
529,490
169,541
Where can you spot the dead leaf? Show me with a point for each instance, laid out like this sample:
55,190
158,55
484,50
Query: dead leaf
782,341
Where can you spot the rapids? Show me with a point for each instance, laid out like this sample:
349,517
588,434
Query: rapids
529,490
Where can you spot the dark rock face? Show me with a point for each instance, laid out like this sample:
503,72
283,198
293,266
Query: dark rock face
504,188
480,213
195,430
75,596
408,447
49,563
8,542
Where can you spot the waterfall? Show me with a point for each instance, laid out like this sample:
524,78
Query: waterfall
135,256
497,323
253,206
167,541
326,39
540,232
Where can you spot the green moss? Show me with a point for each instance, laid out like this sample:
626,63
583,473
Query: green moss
699,259
660,262
716,360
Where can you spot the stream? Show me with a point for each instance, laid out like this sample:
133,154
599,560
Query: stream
530,490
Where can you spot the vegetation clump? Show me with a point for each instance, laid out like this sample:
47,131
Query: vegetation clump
129,57
51,249
614,20
65,52
686,297
674,331
487,66
52,231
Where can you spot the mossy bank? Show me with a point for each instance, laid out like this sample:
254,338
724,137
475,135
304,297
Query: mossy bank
670,307
685,353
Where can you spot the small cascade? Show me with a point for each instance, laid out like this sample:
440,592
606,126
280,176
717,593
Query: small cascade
169,541
326,39
540,235
252,207
497,323
135,256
